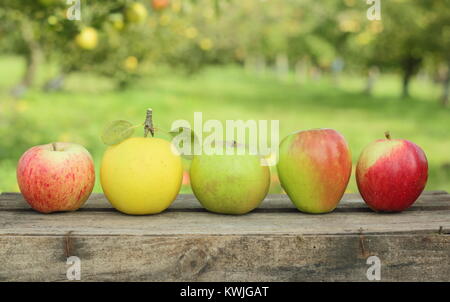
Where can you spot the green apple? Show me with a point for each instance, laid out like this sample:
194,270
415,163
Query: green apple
314,169
230,184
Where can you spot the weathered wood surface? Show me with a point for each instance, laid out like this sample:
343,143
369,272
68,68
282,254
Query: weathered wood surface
186,243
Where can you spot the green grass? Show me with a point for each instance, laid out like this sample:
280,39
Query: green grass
79,113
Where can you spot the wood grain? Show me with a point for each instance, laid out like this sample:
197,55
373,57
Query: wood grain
274,243
226,258
10,201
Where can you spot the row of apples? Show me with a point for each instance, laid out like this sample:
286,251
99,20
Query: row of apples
143,175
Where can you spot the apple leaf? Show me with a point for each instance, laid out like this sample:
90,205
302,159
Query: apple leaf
184,140
117,131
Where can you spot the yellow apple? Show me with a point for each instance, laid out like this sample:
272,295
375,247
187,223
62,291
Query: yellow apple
136,13
141,175
87,38
130,63
117,21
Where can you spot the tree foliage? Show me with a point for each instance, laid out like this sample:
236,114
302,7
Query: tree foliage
123,39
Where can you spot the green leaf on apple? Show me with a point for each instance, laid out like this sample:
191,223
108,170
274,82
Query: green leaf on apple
181,136
117,131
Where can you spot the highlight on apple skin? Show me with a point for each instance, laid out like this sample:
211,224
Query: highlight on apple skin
314,169
391,174
56,177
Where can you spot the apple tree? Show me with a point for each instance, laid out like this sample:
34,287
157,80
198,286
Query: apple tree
111,39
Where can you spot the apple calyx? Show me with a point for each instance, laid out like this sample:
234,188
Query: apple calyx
387,134
148,124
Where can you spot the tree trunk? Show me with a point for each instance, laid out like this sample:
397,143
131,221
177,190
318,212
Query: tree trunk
282,66
32,58
410,67
261,64
301,71
32,61
372,77
406,80
446,87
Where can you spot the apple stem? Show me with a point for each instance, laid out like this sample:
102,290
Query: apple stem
387,135
54,146
148,124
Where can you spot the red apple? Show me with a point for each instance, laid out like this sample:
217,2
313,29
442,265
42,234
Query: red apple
391,174
56,177
160,4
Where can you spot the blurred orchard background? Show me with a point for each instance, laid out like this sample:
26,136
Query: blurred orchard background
306,63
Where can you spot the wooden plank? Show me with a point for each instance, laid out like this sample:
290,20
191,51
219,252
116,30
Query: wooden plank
186,243
226,258
429,199
276,216
111,222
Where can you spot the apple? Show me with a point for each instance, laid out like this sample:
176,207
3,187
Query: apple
87,39
160,4
116,20
314,169
130,64
141,175
229,184
391,174
56,177
136,13
186,181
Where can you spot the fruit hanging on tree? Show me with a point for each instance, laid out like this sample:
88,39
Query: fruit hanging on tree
116,20
130,64
136,13
160,4
87,39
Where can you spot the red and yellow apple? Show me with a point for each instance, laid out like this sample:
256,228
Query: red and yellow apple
160,4
314,169
391,174
56,177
